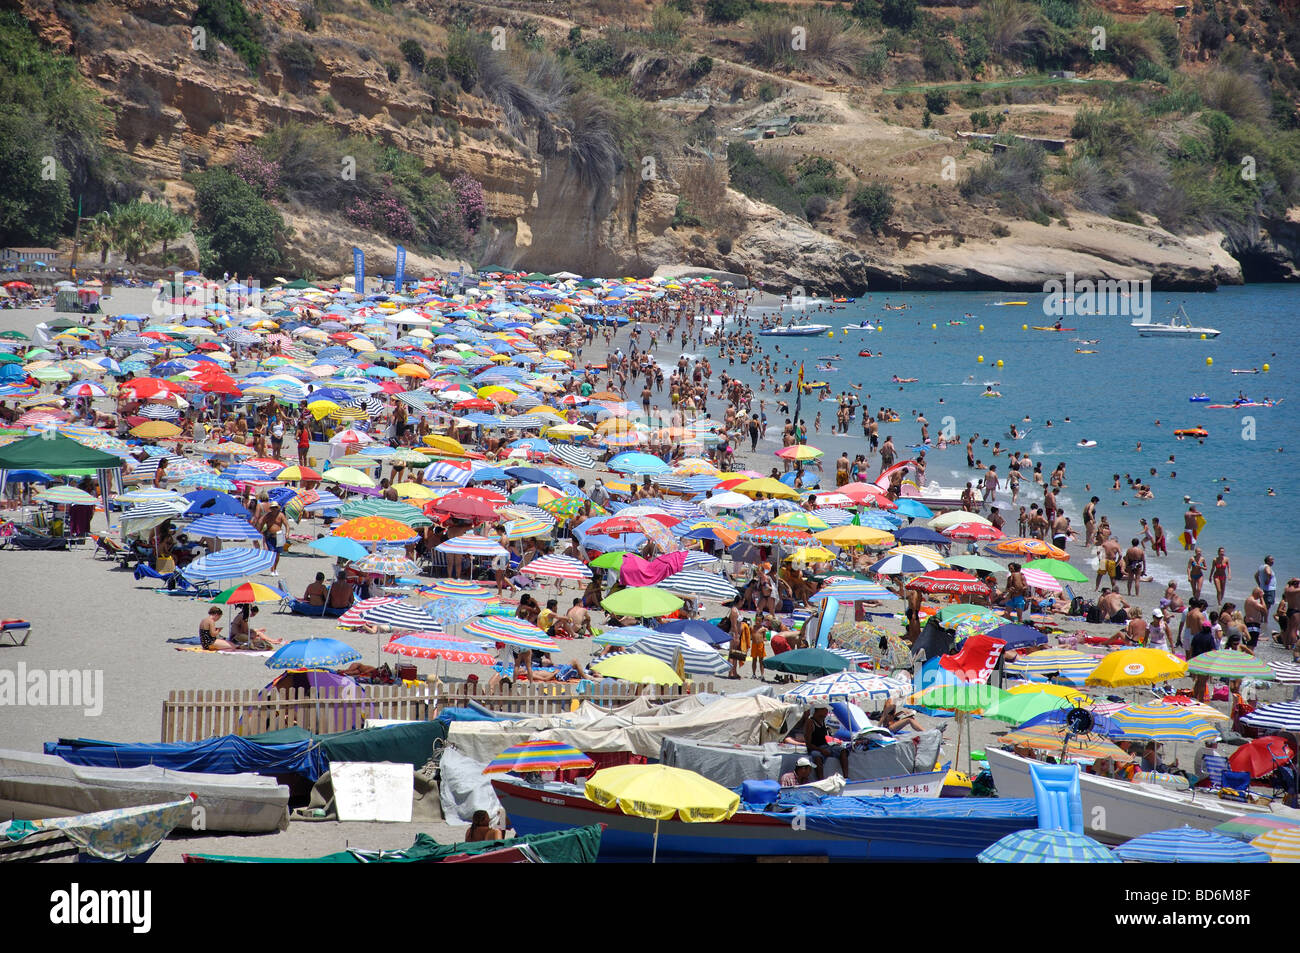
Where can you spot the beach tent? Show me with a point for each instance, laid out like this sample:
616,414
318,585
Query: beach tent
53,453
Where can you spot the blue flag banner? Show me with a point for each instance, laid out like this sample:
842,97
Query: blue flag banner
359,269
399,271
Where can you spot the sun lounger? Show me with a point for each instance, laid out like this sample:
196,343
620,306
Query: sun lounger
302,607
11,629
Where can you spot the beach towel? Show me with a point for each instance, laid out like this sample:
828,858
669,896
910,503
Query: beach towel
202,651
636,571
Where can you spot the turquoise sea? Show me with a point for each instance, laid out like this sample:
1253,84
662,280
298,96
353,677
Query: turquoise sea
1114,397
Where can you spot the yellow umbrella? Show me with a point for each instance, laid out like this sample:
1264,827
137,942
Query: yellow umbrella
347,476
855,536
1283,844
768,487
566,430
559,355
637,668
414,491
1137,667
444,443
156,430
409,370
360,344
920,552
1060,691
661,792
320,409
811,554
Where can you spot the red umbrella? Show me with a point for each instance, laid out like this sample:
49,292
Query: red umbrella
1261,756
617,525
949,581
474,403
867,493
478,493
464,508
966,531
151,385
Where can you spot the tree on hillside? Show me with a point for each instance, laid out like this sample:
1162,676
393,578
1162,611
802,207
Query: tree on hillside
237,230
97,235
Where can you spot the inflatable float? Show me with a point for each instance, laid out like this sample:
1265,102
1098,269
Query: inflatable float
867,354
1086,443
1199,398
1192,432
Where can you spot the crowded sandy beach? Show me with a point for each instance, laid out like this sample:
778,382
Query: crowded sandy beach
599,536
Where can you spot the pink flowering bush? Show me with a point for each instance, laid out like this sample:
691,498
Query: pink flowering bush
259,172
385,214
470,204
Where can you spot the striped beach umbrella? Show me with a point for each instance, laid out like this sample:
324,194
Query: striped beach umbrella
403,513
528,527
573,456
248,593
698,657
789,537
221,526
557,567
435,645
400,614
1037,579
206,481
234,562
1249,826
901,565
1189,845
849,686
512,631
313,653
471,545
801,520
624,635
1288,673
1282,845
1073,668
695,582
538,755
1046,846
852,590
458,587
450,610
386,562
1283,716
1163,723
351,619
1229,663
66,495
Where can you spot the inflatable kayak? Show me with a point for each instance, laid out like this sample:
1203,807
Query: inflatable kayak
865,354
1081,350
864,326
1007,304
1238,370
1245,403
1192,432
844,300
1035,327
1198,398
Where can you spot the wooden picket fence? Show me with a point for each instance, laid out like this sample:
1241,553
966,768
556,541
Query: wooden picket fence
203,713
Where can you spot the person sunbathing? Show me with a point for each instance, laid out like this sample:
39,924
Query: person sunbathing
210,633
898,719
247,637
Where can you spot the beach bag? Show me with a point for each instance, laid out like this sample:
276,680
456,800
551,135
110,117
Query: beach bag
1093,615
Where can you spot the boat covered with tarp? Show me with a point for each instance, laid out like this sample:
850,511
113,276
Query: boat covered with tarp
122,835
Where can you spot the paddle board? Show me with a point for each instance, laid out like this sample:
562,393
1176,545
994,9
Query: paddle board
1186,537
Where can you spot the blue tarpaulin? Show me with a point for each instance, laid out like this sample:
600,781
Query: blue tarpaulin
229,754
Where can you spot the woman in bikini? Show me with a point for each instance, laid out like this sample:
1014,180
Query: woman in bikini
1196,572
210,633
1220,573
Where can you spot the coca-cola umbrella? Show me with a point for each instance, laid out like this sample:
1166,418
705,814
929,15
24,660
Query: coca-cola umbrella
949,582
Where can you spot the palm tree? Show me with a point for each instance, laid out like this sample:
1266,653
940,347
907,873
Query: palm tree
99,236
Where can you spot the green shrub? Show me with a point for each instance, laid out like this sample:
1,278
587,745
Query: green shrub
462,65
872,205
872,64
667,19
900,14
759,180
435,68
393,70
297,58
868,11
726,11
702,66
236,229
936,101
328,105
597,56
767,92
682,217
310,18
724,244
229,22
979,120
939,59
927,119
413,53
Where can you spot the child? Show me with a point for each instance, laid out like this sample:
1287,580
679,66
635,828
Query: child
757,652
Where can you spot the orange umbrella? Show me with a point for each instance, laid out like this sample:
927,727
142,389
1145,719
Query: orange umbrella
410,370
1024,546
375,529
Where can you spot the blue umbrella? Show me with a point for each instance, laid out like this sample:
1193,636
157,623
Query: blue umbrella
639,464
28,476
913,509
339,546
920,534
452,609
1101,724
624,635
233,563
1046,846
534,475
1018,635
224,527
313,653
1189,845
705,631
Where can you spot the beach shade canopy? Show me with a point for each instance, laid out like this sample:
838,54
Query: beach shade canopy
235,562
1057,569
1281,845
698,628
1163,723
661,792
1137,667
338,547
55,454
1189,845
1054,664
313,653
538,755
852,590
808,662
1249,826
847,686
698,657
1229,663
1261,756
1046,846
512,631
248,593
641,602
1283,716
633,667
435,645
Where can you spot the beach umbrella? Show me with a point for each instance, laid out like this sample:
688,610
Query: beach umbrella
694,582
1057,569
641,602
1137,667
234,562
347,476
954,518
65,495
1249,826
538,755
966,696
901,565
469,544
623,635
435,645
948,582
557,567
339,547
1229,663
811,661
220,526
313,653
400,614
1282,716
697,657
1069,666
458,587
512,631
767,487
698,628
386,562
527,528
1189,845
248,593
450,610
633,667
972,531
1054,738
1018,709
788,536
661,792
1261,756
389,509
1026,546
156,430
851,535
953,615
913,508
800,520
848,686
375,529
1017,636
1282,845
1288,673
852,590
1163,723
867,494
920,534
1046,846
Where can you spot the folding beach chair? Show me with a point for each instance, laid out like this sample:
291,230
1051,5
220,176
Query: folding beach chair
11,629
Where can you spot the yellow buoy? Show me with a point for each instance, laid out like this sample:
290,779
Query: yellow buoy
1024,327
1265,368
999,362
830,334
1209,361
981,327
1202,337
933,326
980,359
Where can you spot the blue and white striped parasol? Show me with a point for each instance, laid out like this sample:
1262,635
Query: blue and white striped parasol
219,526
696,582
235,562
698,657
1046,846
400,615
1189,845
848,686
852,590
1282,716
471,545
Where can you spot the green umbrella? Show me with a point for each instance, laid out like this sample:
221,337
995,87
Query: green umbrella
965,697
10,359
980,563
808,662
1016,709
641,602
963,612
1229,663
1058,569
608,561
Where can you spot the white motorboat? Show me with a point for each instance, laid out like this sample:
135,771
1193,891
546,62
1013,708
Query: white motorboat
1116,810
794,330
864,326
1178,325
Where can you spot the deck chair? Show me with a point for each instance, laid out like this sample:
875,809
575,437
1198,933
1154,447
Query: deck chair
108,546
11,629
1056,793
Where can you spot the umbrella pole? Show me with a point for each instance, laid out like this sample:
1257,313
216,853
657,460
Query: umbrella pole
957,757
654,851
